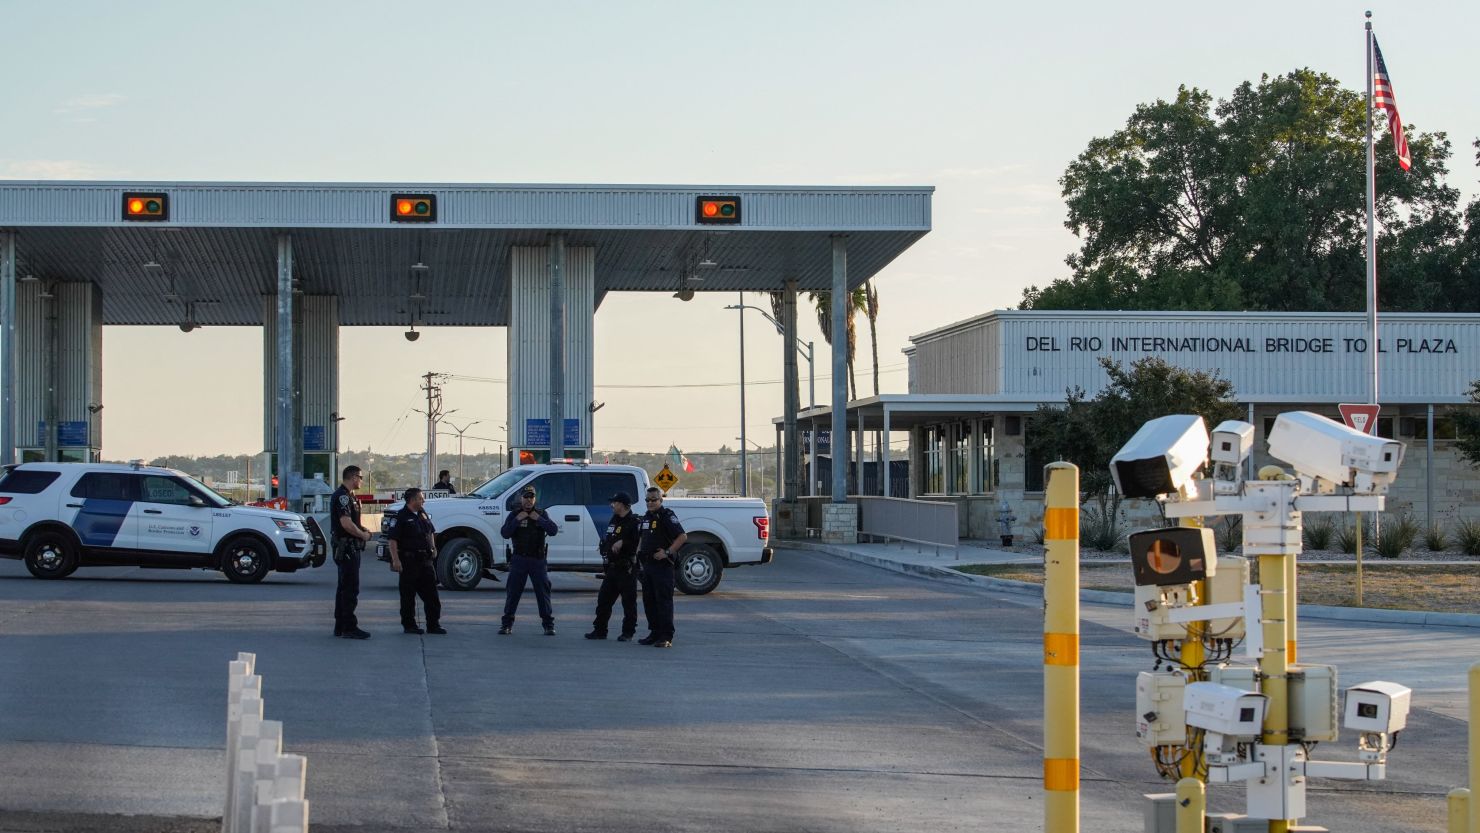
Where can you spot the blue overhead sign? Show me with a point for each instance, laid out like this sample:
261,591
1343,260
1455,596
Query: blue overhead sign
314,438
537,433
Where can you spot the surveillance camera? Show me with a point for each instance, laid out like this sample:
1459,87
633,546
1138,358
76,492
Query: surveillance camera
187,327
412,335
1162,457
684,295
1377,707
1224,710
1325,450
1233,441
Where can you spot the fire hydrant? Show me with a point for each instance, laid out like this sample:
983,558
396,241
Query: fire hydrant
1005,520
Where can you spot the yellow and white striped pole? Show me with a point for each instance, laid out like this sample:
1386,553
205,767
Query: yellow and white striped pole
1474,796
1192,806
1061,649
1459,811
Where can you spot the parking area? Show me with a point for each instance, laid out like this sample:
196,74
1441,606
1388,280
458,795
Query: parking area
813,694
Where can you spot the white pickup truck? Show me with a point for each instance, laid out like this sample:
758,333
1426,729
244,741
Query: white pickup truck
723,531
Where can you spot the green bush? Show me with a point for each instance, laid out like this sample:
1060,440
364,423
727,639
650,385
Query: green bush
1346,538
1467,537
1398,534
1101,527
1318,534
1436,539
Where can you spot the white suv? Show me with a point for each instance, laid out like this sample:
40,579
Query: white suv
61,516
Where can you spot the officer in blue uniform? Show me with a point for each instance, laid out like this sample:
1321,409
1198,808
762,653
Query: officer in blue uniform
619,570
348,541
662,537
413,546
526,528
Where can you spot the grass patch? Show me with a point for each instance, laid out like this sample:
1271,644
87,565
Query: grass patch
1439,588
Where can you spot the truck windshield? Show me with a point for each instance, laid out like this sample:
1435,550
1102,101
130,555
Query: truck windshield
500,484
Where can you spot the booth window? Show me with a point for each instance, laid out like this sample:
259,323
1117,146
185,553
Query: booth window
987,475
935,476
960,439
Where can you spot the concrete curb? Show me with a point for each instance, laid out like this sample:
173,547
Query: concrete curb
1366,615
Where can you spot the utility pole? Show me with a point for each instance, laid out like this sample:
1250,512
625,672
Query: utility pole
434,415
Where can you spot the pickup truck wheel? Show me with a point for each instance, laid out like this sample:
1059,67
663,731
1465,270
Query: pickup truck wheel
245,561
460,564
50,555
699,569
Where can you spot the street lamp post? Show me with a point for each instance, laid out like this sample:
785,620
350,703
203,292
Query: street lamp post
462,483
805,348
744,468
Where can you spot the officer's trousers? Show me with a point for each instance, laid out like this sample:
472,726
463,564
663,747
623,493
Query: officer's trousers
657,597
523,567
618,581
347,593
419,578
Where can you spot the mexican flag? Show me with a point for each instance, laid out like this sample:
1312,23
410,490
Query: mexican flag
677,460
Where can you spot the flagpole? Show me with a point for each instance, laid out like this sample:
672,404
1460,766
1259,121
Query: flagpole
1371,230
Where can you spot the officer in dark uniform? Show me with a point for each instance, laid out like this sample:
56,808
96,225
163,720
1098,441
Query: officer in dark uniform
413,546
526,528
349,540
619,572
662,538
444,483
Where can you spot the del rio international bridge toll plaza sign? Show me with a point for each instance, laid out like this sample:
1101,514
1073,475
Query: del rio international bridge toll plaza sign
1269,357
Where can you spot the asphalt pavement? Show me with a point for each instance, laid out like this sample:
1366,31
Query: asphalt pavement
814,694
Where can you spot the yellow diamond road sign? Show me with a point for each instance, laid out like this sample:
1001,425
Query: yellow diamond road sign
665,479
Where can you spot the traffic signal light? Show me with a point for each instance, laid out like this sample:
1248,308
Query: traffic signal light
413,208
719,211
146,207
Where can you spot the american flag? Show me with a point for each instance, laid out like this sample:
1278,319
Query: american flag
1384,99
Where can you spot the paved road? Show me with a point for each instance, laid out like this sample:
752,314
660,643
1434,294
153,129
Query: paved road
811,695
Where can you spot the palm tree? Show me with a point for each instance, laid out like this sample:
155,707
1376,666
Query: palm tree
871,309
857,302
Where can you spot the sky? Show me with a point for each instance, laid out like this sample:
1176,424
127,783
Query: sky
987,102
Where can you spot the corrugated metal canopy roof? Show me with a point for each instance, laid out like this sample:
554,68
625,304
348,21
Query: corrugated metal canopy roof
218,249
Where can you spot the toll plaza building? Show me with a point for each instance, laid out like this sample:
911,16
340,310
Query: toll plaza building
975,384
302,260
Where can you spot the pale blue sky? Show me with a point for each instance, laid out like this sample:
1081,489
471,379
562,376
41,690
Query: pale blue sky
987,102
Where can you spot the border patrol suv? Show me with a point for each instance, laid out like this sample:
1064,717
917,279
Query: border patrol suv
61,516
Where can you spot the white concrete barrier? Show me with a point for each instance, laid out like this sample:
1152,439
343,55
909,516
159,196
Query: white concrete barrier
264,787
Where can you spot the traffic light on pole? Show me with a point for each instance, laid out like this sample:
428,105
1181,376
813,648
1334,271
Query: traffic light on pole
413,208
146,207
718,211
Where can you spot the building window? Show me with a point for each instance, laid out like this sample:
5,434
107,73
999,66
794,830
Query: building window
1418,428
935,476
960,458
986,466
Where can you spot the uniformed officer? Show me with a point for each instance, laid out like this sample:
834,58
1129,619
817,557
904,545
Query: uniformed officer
619,572
444,483
413,546
349,540
527,527
662,538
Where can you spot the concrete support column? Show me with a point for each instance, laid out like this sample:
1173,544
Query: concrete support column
7,348
885,456
839,369
1428,470
557,346
791,400
858,456
812,458
287,467
314,385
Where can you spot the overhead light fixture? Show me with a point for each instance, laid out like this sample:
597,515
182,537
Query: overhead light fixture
46,293
416,296
29,278
708,263
412,334
153,266
418,266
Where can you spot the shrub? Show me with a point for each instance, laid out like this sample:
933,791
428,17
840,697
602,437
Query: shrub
1436,539
1398,534
1467,537
1346,538
1318,534
1101,527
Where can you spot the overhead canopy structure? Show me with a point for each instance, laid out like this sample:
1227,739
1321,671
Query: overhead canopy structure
216,250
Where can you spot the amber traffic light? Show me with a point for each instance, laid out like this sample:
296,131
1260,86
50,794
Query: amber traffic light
146,207
718,211
413,208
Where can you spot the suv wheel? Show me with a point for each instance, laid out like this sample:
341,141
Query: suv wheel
245,561
699,569
460,564
51,555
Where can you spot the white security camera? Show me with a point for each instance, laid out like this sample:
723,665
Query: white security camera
1378,707
1233,442
1224,710
1162,458
1321,449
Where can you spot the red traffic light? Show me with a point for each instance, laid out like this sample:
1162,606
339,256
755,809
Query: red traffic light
719,210
146,207
413,208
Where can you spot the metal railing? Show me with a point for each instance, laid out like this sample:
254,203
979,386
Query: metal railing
924,522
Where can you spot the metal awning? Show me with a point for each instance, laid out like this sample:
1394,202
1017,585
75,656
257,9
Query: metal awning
217,251
911,410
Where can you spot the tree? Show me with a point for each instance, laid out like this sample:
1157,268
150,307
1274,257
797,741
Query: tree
1256,202
857,302
1467,424
871,309
1088,432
